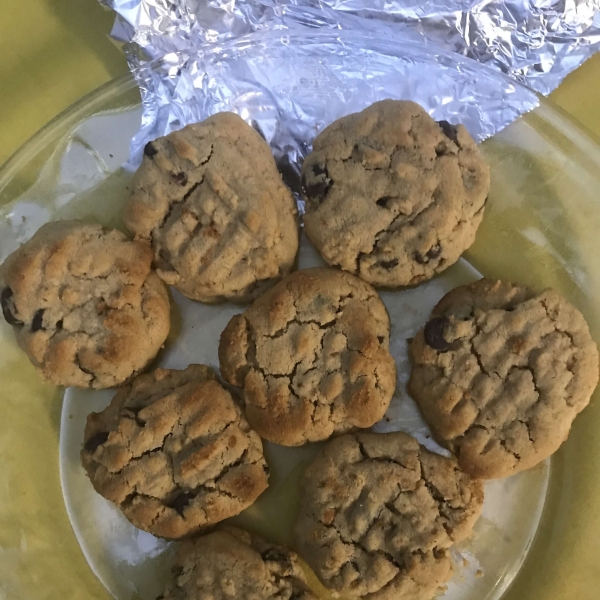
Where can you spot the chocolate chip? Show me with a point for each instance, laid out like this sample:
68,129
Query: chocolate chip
150,150
449,130
319,169
266,469
388,264
181,502
431,254
38,320
317,190
59,324
10,318
381,339
180,178
435,251
384,202
275,555
434,333
96,440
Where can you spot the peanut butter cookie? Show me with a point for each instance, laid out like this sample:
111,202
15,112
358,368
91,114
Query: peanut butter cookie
312,355
391,195
84,304
379,513
210,200
231,563
501,372
174,453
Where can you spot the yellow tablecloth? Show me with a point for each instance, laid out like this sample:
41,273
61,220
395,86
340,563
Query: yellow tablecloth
53,52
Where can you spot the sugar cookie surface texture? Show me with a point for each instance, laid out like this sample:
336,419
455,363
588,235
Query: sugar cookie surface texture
312,356
379,513
174,453
500,373
393,196
84,304
210,200
233,564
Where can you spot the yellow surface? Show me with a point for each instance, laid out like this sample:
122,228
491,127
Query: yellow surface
53,52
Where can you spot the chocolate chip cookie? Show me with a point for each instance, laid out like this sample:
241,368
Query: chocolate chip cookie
84,304
174,453
500,372
393,196
379,513
231,563
210,200
312,357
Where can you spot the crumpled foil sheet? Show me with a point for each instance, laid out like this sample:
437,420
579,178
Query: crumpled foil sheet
290,67
537,42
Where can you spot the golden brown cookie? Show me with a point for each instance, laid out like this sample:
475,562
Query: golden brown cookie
174,453
84,304
379,513
232,564
312,355
391,195
500,373
211,202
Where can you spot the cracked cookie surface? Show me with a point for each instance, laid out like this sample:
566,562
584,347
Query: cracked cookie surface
211,202
174,453
393,196
231,563
84,304
379,513
312,355
501,372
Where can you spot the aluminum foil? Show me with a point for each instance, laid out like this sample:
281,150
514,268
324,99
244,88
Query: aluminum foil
290,67
535,41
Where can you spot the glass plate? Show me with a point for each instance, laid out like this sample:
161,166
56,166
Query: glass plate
538,535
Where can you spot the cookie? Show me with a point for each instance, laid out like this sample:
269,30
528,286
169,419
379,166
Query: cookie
174,453
231,563
500,372
312,355
379,513
391,195
84,304
210,200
